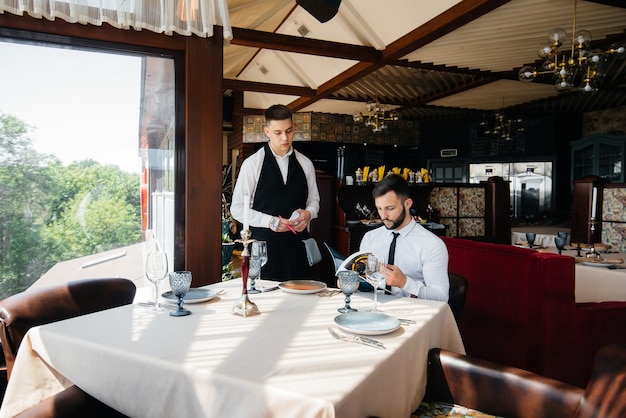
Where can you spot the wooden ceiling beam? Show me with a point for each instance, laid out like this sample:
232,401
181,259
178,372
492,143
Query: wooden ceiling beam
241,85
446,22
276,41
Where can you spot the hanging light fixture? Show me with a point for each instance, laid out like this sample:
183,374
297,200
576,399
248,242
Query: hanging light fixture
582,67
377,115
499,126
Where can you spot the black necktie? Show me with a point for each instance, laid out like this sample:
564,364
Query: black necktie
392,252
392,249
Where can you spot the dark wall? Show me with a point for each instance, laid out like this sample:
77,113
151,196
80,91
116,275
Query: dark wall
444,134
545,137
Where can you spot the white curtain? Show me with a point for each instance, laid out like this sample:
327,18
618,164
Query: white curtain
184,17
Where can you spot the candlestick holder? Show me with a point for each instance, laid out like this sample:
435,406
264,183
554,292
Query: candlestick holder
245,307
592,232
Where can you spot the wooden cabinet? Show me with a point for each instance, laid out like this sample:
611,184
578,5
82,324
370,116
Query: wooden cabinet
599,155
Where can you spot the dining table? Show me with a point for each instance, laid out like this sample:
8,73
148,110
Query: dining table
282,362
597,280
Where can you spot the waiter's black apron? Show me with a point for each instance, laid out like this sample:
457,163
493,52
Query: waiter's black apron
285,250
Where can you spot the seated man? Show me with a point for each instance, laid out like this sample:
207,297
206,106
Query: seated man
419,265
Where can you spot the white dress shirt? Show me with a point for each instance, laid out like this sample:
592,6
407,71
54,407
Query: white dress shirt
249,176
421,255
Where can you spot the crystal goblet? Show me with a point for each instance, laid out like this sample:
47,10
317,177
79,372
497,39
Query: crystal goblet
560,243
180,281
348,283
253,274
530,237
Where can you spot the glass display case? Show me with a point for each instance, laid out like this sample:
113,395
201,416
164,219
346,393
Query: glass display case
531,184
599,155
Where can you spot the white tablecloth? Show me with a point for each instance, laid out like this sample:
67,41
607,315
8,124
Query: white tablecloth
541,240
281,363
597,284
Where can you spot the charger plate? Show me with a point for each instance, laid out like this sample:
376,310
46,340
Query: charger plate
302,286
193,296
367,323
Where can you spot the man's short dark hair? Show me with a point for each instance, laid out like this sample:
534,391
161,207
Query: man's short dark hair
277,112
392,183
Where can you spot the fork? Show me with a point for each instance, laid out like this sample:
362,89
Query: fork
356,339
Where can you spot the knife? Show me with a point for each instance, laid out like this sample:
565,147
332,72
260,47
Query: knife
269,289
369,341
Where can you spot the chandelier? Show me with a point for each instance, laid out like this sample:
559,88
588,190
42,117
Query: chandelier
582,67
500,127
377,116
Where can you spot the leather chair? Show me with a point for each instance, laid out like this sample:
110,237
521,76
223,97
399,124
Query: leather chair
510,392
20,312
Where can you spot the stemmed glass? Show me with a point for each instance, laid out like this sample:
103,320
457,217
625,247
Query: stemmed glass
180,281
375,275
560,243
258,258
348,283
530,237
156,271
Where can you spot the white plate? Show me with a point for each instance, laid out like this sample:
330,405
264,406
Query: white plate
588,263
193,296
302,286
367,323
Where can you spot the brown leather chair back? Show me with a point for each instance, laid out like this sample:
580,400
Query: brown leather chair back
20,312
605,394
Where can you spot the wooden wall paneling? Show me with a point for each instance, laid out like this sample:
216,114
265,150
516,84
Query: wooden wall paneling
203,165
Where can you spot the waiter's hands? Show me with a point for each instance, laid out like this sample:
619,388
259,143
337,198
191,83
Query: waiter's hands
297,223
395,276
300,222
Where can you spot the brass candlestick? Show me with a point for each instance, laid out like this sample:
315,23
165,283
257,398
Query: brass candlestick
245,307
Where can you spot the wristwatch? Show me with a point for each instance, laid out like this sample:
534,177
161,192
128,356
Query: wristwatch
274,222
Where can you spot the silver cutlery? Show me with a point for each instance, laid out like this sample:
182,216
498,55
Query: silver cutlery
269,289
406,321
356,339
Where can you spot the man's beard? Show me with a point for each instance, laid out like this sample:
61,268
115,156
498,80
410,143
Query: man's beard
398,221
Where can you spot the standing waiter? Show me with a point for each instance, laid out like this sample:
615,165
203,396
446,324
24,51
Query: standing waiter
282,189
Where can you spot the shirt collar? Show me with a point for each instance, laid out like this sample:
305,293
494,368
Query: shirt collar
281,156
406,229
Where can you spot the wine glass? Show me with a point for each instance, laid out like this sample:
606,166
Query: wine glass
180,281
375,275
156,271
560,243
258,251
530,237
348,283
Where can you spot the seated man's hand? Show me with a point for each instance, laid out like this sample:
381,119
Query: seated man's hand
395,276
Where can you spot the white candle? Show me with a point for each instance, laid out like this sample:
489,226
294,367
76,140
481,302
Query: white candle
246,212
594,202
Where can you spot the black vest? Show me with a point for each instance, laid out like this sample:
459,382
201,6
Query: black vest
286,255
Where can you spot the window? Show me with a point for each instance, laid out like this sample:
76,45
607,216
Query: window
94,171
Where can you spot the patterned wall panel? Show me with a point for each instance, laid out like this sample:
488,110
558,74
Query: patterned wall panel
614,217
613,204
444,200
471,227
472,202
461,209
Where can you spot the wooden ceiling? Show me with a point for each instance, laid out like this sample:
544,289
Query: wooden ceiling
428,60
